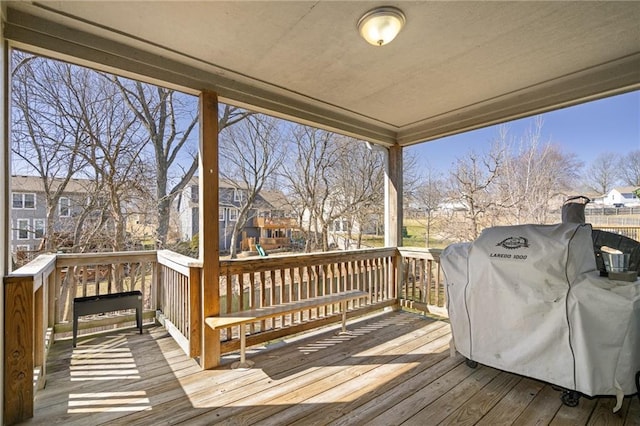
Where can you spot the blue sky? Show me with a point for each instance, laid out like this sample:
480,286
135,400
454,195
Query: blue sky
607,125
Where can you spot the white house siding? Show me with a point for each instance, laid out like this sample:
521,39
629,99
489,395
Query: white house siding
622,195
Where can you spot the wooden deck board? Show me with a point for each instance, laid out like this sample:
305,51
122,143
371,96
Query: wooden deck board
395,368
507,410
542,409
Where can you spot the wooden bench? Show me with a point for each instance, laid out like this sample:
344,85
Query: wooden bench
246,317
103,303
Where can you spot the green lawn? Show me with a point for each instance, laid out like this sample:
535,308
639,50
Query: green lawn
415,237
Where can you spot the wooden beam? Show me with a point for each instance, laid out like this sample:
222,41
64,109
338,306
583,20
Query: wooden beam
5,173
195,318
209,228
393,198
18,349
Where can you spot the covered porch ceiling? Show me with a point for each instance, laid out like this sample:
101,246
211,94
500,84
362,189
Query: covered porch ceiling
456,65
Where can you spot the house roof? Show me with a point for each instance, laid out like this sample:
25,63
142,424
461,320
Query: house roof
625,189
276,200
455,66
34,184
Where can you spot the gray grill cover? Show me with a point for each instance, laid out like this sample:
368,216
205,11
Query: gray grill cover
528,299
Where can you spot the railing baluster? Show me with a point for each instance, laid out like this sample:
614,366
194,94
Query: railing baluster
296,277
229,300
429,279
274,294
283,290
263,297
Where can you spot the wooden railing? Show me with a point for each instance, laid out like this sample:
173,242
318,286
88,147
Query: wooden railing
632,232
254,283
28,321
270,243
39,298
179,297
39,302
421,284
275,222
91,274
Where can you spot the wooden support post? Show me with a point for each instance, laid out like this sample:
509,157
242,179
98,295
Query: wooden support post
39,331
209,224
393,198
51,299
156,286
195,316
5,194
18,349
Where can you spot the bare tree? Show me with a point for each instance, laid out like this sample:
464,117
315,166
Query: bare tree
358,186
516,182
331,180
46,130
629,167
169,118
249,154
472,188
114,152
428,196
603,172
310,156
534,174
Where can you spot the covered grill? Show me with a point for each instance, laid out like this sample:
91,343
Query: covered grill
529,299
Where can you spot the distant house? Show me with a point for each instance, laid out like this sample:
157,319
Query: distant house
29,211
270,223
623,196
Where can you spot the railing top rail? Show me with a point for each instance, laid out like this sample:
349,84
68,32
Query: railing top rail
306,259
83,259
44,263
38,269
178,262
600,226
180,259
421,252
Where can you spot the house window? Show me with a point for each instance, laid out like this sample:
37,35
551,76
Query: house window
23,247
237,195
24,201
221,214
23,229
233,215
38,227
64,207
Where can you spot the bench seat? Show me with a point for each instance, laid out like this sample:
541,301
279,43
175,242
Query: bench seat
243,318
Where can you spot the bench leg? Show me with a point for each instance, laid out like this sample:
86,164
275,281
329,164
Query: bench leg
243,363
75,328
139,317
344,331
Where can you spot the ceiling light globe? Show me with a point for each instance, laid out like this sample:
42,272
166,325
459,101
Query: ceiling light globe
381,25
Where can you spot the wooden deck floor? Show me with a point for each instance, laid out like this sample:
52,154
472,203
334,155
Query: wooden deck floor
394,369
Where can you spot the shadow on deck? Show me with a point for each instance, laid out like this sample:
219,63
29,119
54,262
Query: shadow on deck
394,368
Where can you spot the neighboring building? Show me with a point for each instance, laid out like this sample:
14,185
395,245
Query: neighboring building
29,212
623,196
269,224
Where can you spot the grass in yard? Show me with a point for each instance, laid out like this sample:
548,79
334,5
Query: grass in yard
415,237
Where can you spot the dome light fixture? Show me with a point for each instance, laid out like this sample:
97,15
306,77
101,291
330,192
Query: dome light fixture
381,25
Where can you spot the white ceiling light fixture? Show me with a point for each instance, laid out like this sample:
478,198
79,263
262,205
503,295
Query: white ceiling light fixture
381,25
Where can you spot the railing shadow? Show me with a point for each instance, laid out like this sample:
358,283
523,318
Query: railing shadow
110,376
358,347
